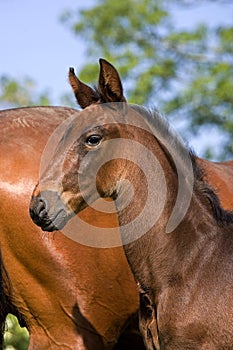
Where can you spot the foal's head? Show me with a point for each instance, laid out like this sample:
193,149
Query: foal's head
110,150
80,149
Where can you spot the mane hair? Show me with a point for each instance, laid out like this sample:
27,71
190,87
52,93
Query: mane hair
159,122
221,215
163,128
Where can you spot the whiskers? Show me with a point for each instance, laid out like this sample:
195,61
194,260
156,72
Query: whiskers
49,236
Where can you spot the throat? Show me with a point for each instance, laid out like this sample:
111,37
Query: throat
159,259
142,201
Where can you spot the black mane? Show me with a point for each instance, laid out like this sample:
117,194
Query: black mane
153,117
221,215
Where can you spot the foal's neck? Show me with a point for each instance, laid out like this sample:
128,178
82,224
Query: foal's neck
157,258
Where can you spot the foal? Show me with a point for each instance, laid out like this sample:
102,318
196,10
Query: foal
183,269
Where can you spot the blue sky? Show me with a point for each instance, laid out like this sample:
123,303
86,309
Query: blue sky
34,43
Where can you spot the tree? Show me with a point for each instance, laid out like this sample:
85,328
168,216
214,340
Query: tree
188,71
24,92
15,337
18,93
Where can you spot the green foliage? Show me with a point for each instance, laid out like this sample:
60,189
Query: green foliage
15,338
189,72
15,93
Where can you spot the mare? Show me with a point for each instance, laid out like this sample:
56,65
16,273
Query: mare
68,295
184,273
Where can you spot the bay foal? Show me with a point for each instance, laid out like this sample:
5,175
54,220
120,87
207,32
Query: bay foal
184,277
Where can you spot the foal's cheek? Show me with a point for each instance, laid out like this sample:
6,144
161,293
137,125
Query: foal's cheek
101,185
105,181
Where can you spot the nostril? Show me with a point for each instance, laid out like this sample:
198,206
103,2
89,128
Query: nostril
38,208
47,211
41,206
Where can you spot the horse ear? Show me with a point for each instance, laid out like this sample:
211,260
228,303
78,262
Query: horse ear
110,86
84,94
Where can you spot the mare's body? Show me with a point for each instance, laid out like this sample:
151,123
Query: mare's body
69,295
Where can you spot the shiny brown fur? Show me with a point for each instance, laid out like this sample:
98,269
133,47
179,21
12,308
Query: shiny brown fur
68,295
171,285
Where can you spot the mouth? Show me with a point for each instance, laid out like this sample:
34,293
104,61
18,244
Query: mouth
54,224
49,211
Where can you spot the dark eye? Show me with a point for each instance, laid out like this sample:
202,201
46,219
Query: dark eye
93,140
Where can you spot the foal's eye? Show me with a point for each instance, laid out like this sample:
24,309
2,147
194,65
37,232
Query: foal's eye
93,140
